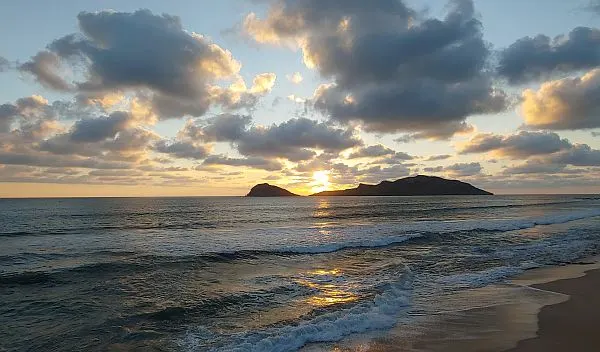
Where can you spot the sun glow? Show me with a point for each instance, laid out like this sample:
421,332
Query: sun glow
321,181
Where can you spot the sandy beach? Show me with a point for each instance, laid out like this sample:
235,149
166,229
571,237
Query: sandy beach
571,325
547,309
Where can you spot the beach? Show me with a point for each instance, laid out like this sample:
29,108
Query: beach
547,309
570,325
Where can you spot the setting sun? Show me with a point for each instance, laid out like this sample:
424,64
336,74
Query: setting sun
321,181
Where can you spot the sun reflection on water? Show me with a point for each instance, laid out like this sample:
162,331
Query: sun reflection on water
330,288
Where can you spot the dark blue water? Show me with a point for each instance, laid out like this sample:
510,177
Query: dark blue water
222,274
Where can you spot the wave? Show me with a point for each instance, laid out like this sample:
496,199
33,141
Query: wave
25,278
380,313
482,278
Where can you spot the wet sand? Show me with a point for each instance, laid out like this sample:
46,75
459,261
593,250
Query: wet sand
549,309
571,325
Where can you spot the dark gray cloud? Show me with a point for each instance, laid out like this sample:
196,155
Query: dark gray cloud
173,70
432,76
182,149
47,160
438,157
45,66
433,169
99,129
464,169
294,139
253,162
372,151
578,155
4,64
517,146
534,167
221,128
530,59
542,150
565,104
24,110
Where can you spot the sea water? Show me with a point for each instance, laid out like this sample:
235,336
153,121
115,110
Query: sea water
264,274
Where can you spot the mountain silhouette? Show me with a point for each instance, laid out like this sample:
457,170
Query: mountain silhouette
411,186
267,190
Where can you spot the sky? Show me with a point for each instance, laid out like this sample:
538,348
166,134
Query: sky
199,98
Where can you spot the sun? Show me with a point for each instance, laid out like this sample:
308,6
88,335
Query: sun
320,181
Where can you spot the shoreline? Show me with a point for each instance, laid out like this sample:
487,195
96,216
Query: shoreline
569,325
542,309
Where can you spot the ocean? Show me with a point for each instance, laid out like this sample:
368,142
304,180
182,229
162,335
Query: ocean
265,274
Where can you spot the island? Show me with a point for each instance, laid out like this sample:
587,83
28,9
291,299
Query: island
411,186
267,190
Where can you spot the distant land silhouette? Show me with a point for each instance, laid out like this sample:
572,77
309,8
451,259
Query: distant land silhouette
410,186
267,190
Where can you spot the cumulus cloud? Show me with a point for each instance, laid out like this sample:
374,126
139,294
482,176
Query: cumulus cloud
433,74
4,64
372,151
254,162
464,169
517,146
45,66
294,139
295,78
438,157
542,151
172,70
565,104
99,129
530,59
26,108
578,155
182,149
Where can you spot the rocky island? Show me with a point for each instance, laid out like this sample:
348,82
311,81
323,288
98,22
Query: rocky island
409,186
267,190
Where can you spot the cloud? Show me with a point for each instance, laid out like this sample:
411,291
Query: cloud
372,151
530,59
517,146
438,157
432,76
565,104
45,66
24,110
254,162
173,71
295,78
541,150
222,128
594,6
534,167
595,134
11,158
4,64
578,155
99,129
296,99
434,169
464,169
294,139
182,149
